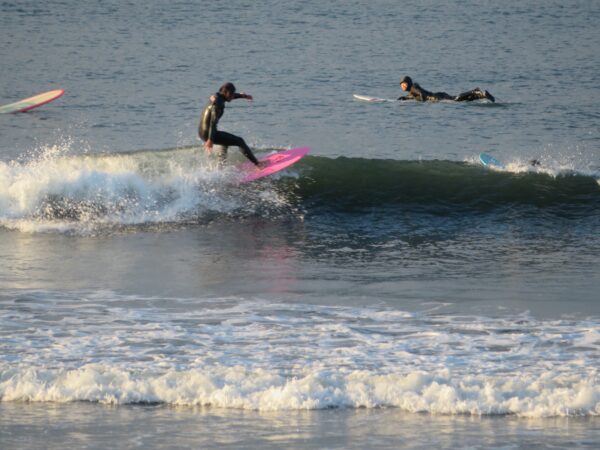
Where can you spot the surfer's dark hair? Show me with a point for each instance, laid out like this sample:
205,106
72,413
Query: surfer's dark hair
227,87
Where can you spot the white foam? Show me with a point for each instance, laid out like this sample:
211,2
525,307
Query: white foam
440,392
57,192
236,353
552,167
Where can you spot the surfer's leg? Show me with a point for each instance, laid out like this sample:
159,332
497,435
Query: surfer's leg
246,150
228,139
474,94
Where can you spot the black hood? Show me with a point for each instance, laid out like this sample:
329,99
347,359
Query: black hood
408,81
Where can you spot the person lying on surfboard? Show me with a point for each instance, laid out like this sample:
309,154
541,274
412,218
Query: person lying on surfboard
416,92
207,129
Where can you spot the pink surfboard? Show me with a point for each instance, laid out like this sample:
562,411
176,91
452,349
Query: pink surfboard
32,102
275,162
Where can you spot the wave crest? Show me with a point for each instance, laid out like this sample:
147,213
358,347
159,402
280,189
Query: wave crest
257,389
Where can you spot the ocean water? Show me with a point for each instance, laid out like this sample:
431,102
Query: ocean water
387,291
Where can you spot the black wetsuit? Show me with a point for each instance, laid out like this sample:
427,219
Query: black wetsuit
419,94
207,129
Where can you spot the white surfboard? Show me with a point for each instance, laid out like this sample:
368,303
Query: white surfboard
368,98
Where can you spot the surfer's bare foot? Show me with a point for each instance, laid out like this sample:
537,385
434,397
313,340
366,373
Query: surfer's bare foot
261,165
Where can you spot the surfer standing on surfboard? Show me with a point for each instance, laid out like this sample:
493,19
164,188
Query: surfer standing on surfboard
207,129
416,92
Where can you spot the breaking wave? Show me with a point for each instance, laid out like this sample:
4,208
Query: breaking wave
91,193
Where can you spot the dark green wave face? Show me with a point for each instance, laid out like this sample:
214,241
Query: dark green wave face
444,186
455,217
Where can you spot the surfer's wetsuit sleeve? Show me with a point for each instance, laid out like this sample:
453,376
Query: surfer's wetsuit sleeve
212,122
415,93
210,117
422,95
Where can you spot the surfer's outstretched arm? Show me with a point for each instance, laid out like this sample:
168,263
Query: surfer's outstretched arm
242,95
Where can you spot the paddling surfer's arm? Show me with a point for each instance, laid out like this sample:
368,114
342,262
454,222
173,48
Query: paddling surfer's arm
415,92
